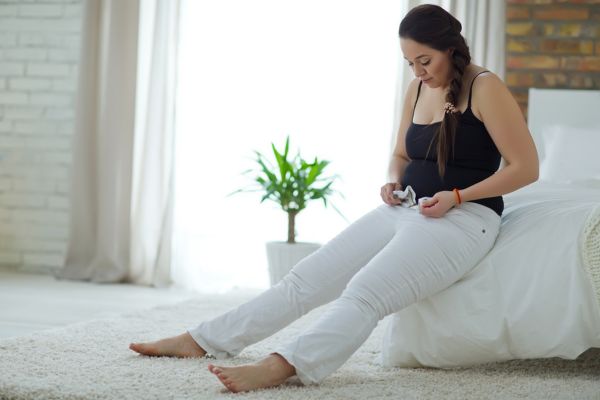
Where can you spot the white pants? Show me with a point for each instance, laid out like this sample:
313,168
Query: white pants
384,261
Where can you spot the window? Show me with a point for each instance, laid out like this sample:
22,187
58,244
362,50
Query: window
251,73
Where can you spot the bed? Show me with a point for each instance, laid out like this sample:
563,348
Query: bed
536,294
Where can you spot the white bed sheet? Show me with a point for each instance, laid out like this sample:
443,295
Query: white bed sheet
530,297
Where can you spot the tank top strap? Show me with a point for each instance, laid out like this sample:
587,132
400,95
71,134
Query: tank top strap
471,88
415,105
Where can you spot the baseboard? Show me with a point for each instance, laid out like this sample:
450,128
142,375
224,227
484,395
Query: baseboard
38,269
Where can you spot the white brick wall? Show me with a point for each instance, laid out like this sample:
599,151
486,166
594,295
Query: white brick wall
39,51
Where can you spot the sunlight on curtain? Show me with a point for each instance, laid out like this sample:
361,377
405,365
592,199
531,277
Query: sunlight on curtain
251,73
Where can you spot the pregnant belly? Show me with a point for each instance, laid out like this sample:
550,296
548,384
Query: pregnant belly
423,177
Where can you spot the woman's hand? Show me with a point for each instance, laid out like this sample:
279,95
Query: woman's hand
438,205
386,193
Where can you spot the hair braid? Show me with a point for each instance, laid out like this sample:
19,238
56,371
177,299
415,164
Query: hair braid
433,26
447,131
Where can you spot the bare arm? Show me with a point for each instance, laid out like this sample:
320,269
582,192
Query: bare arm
505,123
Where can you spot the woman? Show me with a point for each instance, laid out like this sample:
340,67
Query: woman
457,121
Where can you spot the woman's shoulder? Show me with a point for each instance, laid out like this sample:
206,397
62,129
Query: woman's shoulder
411,91
413,86
487,87
481,73
483,81
486,84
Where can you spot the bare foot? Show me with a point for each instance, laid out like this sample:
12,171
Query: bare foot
268,372
178,346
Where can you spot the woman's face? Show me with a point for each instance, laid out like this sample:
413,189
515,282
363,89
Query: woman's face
430,65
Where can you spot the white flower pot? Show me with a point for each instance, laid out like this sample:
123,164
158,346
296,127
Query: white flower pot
282,257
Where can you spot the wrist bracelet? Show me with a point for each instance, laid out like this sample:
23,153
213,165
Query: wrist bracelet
455,190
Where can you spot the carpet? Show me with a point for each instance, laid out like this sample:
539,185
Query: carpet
91,360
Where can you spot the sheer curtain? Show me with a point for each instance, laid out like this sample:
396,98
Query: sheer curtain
122,175
153,168
323,72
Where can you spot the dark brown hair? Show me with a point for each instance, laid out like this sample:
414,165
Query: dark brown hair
434,27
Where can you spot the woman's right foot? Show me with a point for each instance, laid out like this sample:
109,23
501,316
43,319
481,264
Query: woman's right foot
178,346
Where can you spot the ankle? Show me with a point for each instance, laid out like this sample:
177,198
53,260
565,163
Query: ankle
278,361
190,340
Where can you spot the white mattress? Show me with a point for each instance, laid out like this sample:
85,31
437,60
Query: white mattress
530,297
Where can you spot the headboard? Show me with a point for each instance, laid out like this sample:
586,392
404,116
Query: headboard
578,108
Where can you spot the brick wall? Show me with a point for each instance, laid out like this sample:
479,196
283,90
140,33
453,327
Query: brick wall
552,44
39,49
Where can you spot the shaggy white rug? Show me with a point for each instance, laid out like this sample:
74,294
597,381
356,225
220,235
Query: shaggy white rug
91,360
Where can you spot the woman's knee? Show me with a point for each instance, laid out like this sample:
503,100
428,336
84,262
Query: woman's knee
303,293
367,295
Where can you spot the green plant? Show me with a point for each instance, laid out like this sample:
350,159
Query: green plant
292,183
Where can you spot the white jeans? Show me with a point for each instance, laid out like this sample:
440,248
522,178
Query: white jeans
384,261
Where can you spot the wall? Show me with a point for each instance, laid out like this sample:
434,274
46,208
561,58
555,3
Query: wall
549,44
552,44
39,47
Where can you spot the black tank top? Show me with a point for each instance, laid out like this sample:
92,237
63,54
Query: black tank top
475,157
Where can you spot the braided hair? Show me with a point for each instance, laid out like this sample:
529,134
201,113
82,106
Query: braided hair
433,26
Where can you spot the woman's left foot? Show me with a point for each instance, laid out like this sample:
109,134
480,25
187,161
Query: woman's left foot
183,345
268,372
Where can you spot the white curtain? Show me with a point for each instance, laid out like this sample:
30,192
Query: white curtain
483,23
121,195
152,197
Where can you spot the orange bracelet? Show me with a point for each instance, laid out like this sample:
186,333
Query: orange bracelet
455,190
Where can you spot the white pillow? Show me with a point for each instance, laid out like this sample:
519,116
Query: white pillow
570,154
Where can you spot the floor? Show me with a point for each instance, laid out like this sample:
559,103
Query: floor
32,302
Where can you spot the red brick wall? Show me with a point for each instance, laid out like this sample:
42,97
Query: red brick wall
552,44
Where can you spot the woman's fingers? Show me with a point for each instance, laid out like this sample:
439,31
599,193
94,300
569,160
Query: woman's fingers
387,194
384,194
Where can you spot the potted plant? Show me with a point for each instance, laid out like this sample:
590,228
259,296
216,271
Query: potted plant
292,184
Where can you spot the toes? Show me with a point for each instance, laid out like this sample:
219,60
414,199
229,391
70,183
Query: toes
135,347
221,375
139,347
214,369
225,381
229,384
232,388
